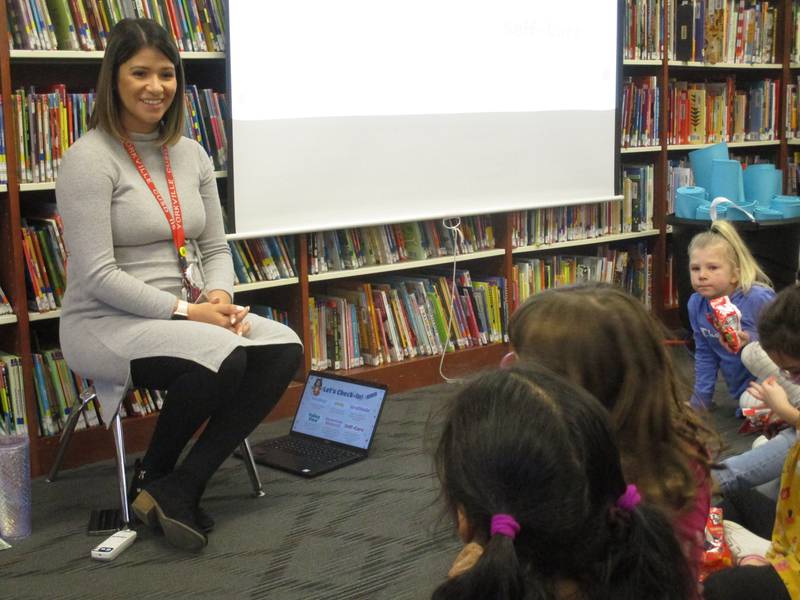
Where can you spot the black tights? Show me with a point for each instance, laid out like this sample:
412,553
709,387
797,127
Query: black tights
234,400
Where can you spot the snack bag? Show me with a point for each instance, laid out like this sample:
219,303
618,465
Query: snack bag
717,554
726,319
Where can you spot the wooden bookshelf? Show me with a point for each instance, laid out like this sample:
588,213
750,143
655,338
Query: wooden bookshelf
24,68
666,68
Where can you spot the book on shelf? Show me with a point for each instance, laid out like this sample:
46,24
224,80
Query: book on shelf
629,268
543,226
352,248
47,123
640,110
395,318
711,112
262,259
12,396
722,31
643,36
196,25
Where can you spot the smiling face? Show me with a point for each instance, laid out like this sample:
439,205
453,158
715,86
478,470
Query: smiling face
146,85
712,273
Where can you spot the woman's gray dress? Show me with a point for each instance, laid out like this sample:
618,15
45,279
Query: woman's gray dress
122,270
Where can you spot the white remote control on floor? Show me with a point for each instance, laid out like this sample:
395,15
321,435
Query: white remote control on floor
114,545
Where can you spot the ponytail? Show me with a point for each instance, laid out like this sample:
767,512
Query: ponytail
722,232
497,574
643,542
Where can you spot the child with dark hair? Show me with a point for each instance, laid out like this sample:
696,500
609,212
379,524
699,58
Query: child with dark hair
606,341
779,576
530,471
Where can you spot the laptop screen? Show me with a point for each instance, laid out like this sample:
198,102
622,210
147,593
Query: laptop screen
339,410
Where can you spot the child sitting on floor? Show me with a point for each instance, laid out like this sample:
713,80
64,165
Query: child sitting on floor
530,471
605,340
779,577
721,265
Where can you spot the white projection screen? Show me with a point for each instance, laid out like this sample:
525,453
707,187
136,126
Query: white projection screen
360,112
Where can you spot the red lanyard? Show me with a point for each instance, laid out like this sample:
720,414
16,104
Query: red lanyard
175,219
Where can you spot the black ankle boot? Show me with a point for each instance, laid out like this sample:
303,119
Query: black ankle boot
141,478
172,503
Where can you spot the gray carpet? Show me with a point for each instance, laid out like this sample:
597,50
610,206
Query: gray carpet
370,530
373,530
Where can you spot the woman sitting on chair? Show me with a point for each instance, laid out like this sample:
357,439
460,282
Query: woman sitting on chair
149,300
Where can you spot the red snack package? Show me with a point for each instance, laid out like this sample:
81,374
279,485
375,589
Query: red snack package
727,320
717,554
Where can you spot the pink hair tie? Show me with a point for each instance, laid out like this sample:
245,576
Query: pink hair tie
504,525
630,499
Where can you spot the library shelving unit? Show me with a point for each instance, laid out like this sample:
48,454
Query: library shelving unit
657,61
21,332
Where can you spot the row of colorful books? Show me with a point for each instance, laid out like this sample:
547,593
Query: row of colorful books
205,117
640,112
643,30
629,268
57,390
45,260
12,396
723,31
395,318
48,123
196,25
542,226
263,259
390,244
702,113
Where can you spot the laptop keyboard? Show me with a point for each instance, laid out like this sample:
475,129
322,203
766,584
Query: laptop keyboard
320,453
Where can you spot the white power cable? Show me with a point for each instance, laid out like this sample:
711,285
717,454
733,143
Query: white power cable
454,225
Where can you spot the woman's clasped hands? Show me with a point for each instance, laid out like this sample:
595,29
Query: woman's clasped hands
220,311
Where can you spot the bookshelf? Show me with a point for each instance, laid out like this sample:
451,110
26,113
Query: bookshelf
20,332
650,50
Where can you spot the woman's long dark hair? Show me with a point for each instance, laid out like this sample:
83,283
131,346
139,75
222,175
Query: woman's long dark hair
128,37
526,442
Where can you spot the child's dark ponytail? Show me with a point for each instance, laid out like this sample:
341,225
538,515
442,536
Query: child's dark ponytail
497,574
645,545
527,461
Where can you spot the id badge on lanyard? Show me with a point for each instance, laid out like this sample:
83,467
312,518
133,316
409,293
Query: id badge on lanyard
191,291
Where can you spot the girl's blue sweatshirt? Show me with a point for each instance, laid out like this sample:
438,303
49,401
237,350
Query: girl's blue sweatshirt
711,356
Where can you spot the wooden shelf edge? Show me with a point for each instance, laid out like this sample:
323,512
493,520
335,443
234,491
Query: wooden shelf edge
639,149
702,65
752,144
603,239
262,285
8,319
403,266
37,316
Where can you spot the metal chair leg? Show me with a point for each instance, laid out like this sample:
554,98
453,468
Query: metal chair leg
85,398
250,465
119,443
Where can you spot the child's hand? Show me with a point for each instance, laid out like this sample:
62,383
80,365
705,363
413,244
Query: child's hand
744,338
774,396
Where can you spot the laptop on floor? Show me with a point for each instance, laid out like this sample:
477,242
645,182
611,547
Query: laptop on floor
334,426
